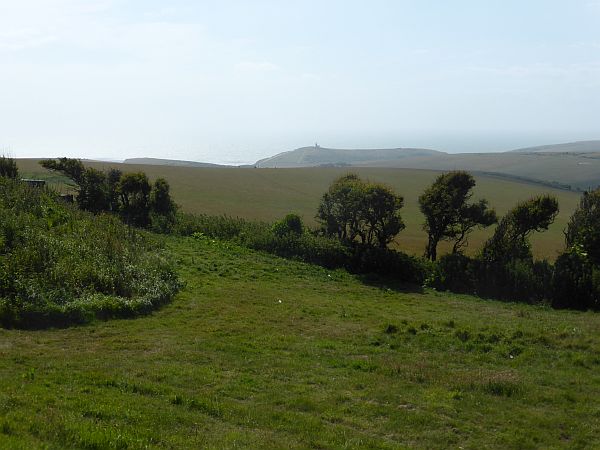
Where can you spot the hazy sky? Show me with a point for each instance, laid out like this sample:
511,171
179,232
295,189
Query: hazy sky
233,81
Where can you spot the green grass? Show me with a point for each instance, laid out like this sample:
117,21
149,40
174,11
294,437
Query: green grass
258,351
270,194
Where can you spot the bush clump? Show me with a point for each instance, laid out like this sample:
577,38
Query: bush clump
62,266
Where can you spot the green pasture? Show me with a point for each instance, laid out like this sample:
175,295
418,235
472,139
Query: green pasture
261,352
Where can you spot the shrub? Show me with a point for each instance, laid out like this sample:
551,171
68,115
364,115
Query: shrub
8,168
453,272
59,265
522,280
387,262
359,211
576,282
515,280
289,225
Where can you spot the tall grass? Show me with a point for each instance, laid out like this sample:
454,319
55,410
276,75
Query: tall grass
308,246
60,266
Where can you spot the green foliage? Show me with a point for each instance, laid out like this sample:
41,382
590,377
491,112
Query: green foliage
453,272
308,246
291,224
583,230
130,194
448,216
72,168
393,264
576,282
577,271
134,192
510,240
8,168
505,269
113,176
160,199
93,193
355,210
60,266
521,280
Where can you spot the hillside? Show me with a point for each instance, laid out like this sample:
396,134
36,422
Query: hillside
318,156
575,166
569,147
269,194
168,162
263,352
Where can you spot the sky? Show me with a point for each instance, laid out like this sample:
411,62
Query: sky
231,81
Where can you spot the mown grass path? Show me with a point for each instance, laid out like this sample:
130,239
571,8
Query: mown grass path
262,352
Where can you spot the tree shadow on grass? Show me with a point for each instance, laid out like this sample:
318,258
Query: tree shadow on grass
390,284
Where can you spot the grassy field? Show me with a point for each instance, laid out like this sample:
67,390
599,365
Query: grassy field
269,194
262,352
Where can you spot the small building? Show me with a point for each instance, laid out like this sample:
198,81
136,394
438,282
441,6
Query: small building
34,183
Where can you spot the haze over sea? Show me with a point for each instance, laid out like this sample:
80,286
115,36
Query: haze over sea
235,81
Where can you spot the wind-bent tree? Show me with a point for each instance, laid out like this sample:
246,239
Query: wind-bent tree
476,215
357,211
91,184
8,168
583,231
510,240
448,216
71,168
129,194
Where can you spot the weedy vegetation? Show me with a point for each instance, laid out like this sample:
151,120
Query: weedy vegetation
60,265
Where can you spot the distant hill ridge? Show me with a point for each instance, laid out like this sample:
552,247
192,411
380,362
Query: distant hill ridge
573,165
316,156
169,162
569,147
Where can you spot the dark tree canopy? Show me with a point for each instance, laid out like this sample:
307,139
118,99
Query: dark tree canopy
113,176
355,210
472,216
160,198
583,231
134,191
510,240
162,207
380,215
129,194
93,192
290,225
8,168
448,216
